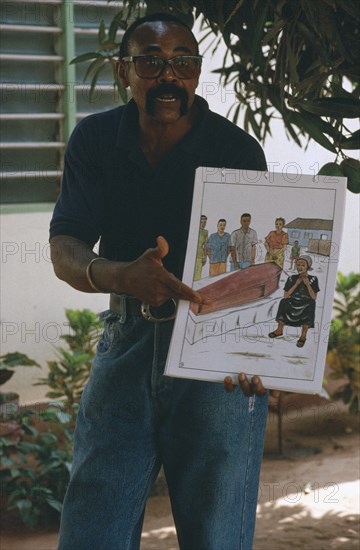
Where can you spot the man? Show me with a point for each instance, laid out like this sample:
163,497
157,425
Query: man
200,251
128,180
294,254
243,244
218,249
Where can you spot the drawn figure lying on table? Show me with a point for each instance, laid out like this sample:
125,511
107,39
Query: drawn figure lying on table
297,308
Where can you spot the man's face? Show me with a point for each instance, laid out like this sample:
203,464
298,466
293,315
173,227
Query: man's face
202,223
166,98
245,222
221,227
279,224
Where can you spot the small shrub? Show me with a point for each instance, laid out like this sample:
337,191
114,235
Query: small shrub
68,374
344,346
35,470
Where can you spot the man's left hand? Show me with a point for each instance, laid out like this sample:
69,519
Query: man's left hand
252,387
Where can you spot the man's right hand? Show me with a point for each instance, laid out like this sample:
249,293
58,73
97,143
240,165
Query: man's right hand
147,279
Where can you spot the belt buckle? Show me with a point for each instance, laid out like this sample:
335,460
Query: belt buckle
148,316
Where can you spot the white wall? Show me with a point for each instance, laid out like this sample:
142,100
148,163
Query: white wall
33,300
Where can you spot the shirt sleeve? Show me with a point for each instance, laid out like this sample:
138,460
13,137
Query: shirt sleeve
289,283
268,237
79,210
314,283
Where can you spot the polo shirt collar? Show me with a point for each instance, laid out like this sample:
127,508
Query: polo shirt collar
127,135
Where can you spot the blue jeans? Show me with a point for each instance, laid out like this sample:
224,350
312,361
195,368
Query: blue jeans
132,420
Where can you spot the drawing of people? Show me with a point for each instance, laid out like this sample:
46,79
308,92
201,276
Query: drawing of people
297,308
200,251
243,244
295,253
218,249
275,243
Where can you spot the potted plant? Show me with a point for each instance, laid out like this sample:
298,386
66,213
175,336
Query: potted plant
9,401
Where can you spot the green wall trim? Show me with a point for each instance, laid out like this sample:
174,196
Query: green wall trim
28,208
69,78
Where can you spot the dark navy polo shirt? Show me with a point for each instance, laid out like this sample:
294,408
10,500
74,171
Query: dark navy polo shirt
109,190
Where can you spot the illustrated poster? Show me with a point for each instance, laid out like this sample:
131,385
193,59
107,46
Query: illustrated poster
249,234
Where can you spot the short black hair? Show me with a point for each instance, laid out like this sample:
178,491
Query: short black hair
166,17
245,215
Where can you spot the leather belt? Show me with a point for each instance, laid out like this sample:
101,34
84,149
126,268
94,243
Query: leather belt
129,306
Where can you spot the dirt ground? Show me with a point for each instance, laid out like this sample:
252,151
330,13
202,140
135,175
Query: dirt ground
308,498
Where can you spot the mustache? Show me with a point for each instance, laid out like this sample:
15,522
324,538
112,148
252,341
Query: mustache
166,88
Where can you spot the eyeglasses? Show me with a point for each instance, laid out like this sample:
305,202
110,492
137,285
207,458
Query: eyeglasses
151,66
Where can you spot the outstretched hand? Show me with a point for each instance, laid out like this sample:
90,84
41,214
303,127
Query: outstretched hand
252,387
149,281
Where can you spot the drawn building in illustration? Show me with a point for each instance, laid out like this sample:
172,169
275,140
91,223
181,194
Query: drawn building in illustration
313,234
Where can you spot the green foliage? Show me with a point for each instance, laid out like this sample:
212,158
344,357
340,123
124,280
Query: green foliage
297,59
68,374
10,361
344,345
15,359
35,470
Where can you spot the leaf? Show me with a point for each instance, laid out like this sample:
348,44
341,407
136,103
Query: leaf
93,68
114,25
309,124
236,112
258,33
85,57
15,359
109,45
234,11
292,132
92,89
334,107
351,8
255,126
56,504
102,32
353,142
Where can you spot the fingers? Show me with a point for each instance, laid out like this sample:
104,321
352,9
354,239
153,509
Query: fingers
161,250
252,387
229,386
249,388
181,291
169,286
255,386
274,399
